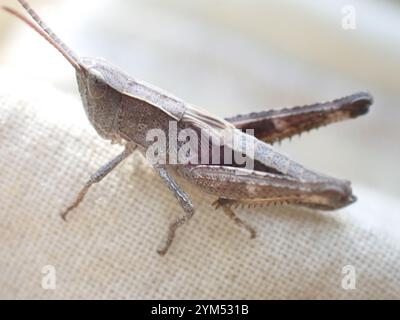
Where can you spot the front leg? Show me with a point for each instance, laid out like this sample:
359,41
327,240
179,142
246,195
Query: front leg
185,203
97,177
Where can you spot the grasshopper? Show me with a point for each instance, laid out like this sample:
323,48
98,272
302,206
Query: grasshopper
123,110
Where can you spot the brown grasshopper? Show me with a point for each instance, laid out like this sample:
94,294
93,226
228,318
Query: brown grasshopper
123,110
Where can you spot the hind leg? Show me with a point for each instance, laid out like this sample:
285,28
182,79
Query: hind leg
275,125
225,205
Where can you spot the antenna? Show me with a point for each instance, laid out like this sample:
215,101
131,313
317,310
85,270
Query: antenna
45,32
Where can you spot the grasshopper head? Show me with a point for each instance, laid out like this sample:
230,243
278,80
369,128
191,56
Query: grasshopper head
96,75
101,86
98,81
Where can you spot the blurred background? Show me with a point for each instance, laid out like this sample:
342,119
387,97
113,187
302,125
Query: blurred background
238,56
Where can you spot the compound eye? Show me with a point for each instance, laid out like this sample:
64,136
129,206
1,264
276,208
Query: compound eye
97,86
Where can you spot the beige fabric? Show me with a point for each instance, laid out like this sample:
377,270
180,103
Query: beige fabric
108,247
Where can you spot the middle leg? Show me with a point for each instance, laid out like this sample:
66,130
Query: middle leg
185,203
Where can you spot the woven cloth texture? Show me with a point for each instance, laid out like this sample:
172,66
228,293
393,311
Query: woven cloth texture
107,249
